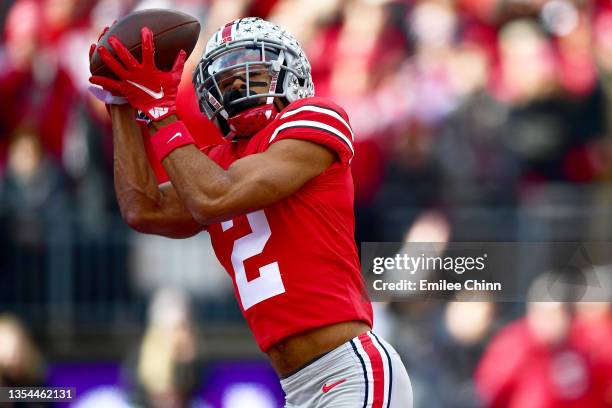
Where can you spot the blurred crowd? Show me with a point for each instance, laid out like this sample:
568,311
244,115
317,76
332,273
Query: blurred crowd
542,354
456,105
163,371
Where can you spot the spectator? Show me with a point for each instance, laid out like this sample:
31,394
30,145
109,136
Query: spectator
168,371
32,191
21,363
34,214
546,368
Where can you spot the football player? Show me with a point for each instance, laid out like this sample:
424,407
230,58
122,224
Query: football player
277,200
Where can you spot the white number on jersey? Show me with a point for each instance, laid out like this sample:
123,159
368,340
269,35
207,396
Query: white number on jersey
269,282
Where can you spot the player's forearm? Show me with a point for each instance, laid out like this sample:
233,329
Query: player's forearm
202,184
143,205
213,194
135,184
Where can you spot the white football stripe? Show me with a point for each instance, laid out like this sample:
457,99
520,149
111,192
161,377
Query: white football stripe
368,365
312,123
325,111
233,30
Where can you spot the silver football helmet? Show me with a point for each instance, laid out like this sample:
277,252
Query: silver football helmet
241,48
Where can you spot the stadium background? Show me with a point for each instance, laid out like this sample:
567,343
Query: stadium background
475,120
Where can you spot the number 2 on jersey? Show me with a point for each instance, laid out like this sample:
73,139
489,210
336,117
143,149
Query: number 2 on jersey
269,282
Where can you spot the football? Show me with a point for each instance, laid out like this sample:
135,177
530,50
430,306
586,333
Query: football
172,31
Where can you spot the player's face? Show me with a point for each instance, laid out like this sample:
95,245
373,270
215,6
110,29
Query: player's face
245,69
258,81
241,78
239,88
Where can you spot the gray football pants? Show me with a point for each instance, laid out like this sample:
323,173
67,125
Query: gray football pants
362,373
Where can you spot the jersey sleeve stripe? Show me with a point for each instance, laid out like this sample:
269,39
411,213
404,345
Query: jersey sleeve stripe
316,125
319,109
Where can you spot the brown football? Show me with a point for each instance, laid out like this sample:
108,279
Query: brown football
172,31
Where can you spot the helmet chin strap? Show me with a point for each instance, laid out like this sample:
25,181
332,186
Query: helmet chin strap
252,120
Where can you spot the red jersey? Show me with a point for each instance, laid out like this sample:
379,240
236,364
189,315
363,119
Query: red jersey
294,264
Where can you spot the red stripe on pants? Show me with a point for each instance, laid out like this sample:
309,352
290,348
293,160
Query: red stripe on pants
378,371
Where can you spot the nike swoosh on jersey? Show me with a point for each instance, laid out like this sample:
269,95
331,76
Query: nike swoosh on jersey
177,134
327,388
156,95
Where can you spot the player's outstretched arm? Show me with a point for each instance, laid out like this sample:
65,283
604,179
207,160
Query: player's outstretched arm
213,194
144,206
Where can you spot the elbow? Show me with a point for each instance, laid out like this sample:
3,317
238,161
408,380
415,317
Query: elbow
208,206
135,220
205,210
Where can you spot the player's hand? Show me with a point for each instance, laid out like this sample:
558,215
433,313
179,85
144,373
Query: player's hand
144,86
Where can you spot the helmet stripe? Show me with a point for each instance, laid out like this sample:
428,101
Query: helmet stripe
226,33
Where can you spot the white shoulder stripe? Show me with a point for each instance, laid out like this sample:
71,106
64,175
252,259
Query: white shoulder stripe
318,109
312,123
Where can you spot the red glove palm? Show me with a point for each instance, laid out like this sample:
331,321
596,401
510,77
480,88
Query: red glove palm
142,84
